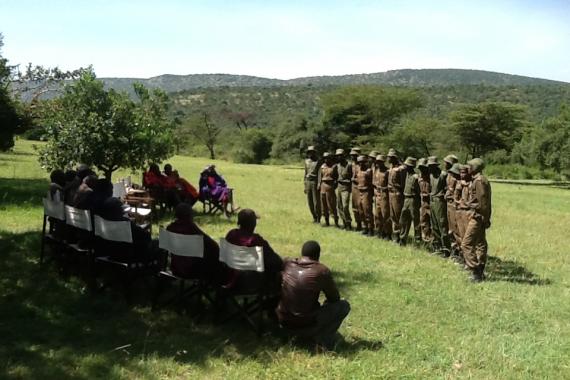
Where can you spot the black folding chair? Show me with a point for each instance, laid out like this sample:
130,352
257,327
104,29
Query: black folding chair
212,206
248,299
78,239
54,214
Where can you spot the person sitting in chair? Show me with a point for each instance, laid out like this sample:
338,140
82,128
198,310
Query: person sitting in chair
214,187
57,179
299,311
186,191
245,236
191,267
161,186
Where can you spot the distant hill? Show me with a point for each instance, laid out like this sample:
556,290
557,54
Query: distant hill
406,77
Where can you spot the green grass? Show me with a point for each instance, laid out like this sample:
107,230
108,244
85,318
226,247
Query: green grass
431,321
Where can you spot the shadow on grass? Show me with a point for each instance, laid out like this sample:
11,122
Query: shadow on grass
18,191
346,280
511,271
52,329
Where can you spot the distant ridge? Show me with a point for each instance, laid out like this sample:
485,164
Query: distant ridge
405,77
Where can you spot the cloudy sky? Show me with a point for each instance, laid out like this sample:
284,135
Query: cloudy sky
288,39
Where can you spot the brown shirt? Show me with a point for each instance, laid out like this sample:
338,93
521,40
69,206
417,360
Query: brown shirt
302,282
425,188
344,175
480,197
450,181
364,180
396,179
380,180
311,169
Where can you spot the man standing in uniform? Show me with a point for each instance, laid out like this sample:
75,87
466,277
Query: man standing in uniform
411,207
461,196
438,207
425,189
344,170
381,199
311,184
354,153
327,184
364,186
395,187
474,245
451,180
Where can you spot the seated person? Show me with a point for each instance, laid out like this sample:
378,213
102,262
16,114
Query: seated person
70,176
153,177
186,191
84,194
145,249
213,186
245,236
57,178
102,191
192,267
72,187
299,311
160,186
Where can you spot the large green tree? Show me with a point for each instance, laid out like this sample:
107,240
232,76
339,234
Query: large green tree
107,129
10,119
554,142
488,126
359,114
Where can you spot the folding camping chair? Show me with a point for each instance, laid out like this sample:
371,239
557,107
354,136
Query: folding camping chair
55,212
211,206
184,246
117,236
252,297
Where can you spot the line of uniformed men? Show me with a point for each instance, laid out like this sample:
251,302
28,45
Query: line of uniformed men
450,209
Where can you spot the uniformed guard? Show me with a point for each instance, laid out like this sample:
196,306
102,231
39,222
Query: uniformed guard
354,153
327,185
344,170
425,189
381,199
395,187
372,159
474,245
462,209
411,208
451,180
438,208
365,191
311,180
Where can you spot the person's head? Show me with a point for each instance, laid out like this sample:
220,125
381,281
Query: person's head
311,152
476,166
175,174
362,162
380,161
455,170
247,220
464,173
153,168
422,166
103,187
410,164
329,158
354,155
58,177
433,164
183,212
312,250
372,157
393,156
168,169
340,156
449,160
83,172
112,209
210,169
90,181
70,176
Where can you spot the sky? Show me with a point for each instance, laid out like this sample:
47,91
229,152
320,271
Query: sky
288,39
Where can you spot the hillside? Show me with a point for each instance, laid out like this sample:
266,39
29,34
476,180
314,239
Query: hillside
407,77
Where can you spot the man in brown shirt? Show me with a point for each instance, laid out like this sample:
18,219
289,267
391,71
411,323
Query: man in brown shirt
299,310
354,153
450,181
328,177
344,170
395,187
474,245
365,193
311,183
425,189
382,215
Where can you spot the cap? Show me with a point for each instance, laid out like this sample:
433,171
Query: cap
451,159
476,164
361,158
354,152
357,149
311,148
410,161
392,153
463,167
339,152
455,169
422,163
373,154
381,157
326,154
432,160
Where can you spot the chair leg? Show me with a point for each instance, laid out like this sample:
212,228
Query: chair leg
43,243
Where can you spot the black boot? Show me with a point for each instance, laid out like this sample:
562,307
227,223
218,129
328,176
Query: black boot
336,223
365,231
358,227
327,222
348,226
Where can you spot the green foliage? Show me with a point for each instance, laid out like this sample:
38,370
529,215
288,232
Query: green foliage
106,129
10,119
253,147
293,136
554,142
416,136
353,114
489,126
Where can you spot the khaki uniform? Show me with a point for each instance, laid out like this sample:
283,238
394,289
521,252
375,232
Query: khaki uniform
328,177
365,191
343,191
451,181
438,207
382,202
355,195
395,188
425,213
411,208
474,244
462,211
311,187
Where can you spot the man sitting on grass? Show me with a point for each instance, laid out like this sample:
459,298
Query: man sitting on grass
299,310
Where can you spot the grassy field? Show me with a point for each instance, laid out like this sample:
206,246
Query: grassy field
413,315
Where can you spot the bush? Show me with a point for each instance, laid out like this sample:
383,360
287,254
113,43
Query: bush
253,147
520,172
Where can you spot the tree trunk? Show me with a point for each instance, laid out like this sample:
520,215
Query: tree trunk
108,174
212,154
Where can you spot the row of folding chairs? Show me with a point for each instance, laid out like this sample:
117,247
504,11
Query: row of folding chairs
247,305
